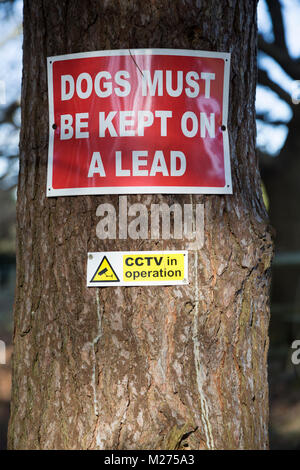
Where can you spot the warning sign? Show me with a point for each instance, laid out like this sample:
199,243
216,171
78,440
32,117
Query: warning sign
137,268
105,272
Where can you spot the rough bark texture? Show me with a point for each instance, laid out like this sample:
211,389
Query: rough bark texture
140,368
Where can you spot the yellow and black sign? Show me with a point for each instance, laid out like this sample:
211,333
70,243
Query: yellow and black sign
137,268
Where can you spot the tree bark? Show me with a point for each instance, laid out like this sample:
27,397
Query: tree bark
140,367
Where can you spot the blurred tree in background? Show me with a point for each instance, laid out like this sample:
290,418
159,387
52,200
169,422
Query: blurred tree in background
10,40
10,85
279,171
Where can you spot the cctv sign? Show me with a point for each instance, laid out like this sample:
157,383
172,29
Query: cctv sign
138,121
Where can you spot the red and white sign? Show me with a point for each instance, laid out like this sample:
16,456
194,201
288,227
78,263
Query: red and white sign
138,121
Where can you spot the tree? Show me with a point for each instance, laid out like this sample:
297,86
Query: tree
145,367
9,96
280,176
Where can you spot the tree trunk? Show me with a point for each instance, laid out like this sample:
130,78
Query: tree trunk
140,367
